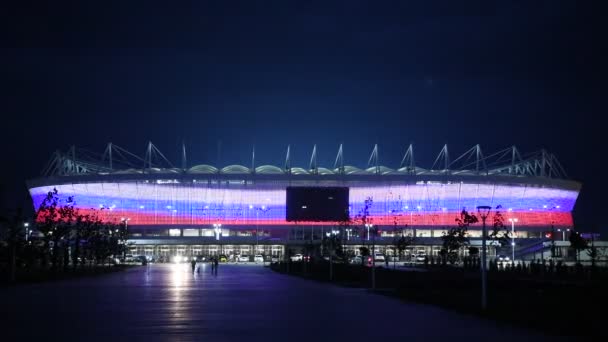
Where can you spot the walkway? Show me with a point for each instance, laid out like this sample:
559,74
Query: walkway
242,303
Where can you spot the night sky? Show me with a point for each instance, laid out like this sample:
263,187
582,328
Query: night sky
272,73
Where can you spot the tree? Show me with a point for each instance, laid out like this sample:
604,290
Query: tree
331,243
457,237
46,217
401,242
593,252
56,219
85,228
577,242
64,227
344,227
14,237
362,218
499,231
364,251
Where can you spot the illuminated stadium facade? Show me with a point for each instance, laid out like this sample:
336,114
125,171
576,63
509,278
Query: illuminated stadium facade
242,210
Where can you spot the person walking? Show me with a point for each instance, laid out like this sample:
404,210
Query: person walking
193,263
216,263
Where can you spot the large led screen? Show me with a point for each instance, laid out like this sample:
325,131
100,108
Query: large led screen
317,204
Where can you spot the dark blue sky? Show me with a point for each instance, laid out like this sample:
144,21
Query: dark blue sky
273,73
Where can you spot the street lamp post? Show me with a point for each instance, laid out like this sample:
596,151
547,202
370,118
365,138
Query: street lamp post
263,209
331,236
368,226
373,257
27,230
256,231
552,231
513,220
125,220
553,241
217,228
483,213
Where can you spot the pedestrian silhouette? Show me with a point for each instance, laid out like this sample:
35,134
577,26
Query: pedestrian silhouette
216,263
193,263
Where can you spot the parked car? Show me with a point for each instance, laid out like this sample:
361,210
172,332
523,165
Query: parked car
140,259
366,260
222,258
243,258
503,259
127,258
258,258
297,257
379,257
274,258
420,257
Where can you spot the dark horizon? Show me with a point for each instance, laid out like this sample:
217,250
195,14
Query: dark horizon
357,73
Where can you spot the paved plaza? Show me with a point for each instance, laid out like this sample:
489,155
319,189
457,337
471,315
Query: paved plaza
241,303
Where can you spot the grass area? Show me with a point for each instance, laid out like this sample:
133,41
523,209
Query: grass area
565,304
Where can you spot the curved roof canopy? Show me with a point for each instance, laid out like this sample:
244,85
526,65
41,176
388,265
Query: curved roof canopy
116,160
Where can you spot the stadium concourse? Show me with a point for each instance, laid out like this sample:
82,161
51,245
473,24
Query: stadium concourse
238,210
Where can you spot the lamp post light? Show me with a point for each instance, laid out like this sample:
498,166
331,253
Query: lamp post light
263,209
217,228
27,230
483,211
125,221
331,236
552,231
257,224
375,231
348,230
368,226
513,220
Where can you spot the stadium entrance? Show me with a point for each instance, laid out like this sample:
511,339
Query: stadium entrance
168,253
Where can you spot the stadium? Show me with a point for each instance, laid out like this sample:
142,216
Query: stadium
241,210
